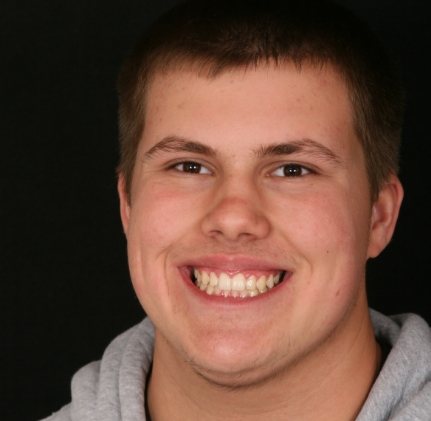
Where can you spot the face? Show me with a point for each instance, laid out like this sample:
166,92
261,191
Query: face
249,221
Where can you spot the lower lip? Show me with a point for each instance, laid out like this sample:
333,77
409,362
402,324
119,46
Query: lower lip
220,299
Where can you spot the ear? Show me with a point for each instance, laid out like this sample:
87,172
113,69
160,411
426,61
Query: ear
384,215
124,202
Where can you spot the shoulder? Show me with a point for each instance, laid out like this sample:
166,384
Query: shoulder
402,390
97,387
401,326
62,415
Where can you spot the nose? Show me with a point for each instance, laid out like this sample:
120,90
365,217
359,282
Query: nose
236,216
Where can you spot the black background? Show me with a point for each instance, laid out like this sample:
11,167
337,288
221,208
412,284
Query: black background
64,284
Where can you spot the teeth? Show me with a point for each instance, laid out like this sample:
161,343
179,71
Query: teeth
213,279
224,282
205,278
270,281
236,286
251,283
238,282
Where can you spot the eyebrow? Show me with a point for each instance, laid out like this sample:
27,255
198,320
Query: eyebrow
179,144
297,146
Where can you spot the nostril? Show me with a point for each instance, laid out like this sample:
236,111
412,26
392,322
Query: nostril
236,220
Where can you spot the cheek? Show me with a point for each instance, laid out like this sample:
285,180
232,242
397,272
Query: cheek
159,216
153,227
326,225
327,236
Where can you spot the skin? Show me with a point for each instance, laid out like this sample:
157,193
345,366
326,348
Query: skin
306,350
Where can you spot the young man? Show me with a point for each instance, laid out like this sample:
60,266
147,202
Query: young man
258,171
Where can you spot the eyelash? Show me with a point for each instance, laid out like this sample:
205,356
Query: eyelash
195,166
288,170
293,171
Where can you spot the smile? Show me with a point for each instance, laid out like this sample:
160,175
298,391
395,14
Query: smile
237,285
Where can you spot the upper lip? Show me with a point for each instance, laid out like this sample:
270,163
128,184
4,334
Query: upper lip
234,263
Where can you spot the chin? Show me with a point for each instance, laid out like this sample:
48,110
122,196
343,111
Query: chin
234,374
231,363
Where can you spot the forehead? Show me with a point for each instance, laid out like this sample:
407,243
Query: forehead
263,104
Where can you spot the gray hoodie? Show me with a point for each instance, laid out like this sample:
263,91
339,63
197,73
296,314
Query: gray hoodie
113,389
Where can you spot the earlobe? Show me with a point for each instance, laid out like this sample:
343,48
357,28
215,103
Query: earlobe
124,202
384,215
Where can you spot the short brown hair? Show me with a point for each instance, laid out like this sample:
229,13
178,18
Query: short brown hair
215,36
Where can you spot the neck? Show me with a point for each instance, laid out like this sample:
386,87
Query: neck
330,383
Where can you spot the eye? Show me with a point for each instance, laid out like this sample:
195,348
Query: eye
291,170
191,167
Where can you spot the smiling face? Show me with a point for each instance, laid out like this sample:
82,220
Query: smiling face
250,221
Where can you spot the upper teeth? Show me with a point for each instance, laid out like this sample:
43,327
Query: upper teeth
238,285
